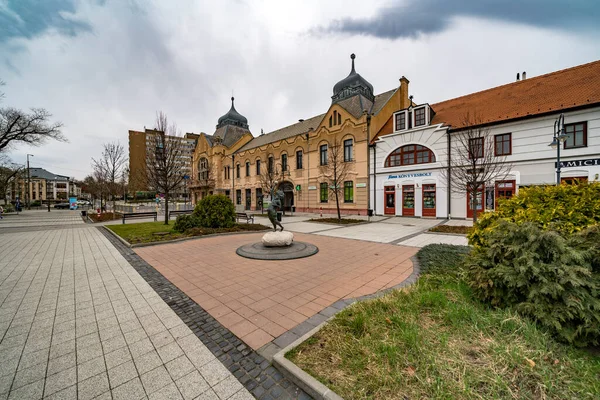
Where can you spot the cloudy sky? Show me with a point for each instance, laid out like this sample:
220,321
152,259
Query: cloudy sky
103,67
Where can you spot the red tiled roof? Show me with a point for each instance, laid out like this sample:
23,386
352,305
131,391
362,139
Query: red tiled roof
568,88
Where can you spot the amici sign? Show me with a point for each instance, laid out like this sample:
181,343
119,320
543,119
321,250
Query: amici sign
590,162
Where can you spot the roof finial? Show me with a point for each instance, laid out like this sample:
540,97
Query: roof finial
352,56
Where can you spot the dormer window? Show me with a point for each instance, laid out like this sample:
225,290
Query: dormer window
401,121
420,116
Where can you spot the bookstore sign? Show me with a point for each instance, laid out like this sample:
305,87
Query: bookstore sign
590,162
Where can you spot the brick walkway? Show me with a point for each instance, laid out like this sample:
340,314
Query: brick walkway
77,321
261,300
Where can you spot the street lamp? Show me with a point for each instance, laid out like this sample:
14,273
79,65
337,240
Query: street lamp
28,182
557,141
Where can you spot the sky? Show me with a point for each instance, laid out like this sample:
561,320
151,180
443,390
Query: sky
103,67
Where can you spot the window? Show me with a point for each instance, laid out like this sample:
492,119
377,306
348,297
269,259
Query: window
476,147
203,169
228,172
335,119
324,191
323,154
420,116
237,171
503,144
504,190
330,121
257,167
576,135
348,150
238,196
247,168
284,165
270,165
409,155
401,121
339,119
299,159
348,192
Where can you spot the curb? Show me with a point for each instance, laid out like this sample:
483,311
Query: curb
296,374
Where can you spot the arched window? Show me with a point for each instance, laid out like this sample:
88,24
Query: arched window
409,155
203,169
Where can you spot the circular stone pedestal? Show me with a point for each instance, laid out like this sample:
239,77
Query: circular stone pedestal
259,251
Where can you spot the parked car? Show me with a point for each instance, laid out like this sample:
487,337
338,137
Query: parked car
84,203
64,206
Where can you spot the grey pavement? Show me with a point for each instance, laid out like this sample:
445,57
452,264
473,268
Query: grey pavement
434,238
77,321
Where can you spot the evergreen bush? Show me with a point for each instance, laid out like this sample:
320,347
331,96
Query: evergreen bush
550,277
215,211
185,222
565,209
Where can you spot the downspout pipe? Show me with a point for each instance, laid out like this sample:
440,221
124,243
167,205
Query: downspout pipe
369,211
374,146
449,173
308,169
233,194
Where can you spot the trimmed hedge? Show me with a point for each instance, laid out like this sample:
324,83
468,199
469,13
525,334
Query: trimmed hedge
215,211
185,222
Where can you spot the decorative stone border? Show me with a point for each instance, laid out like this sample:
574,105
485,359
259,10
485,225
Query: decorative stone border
295,374
250,368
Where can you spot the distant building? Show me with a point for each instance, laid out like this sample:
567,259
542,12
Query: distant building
43,185
139,145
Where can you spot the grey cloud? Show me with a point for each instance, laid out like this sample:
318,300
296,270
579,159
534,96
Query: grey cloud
30,18
412,18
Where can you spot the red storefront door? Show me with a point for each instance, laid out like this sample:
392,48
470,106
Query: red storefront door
390,200
429,200
478,202
504,190
408,200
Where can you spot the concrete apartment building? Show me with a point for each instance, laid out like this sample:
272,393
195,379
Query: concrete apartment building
140,143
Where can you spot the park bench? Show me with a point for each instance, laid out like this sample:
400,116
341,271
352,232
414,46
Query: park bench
153,214
180,212
246,216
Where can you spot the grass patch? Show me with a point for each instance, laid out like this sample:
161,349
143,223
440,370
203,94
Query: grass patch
463,230
106,216
148,232
434,340
343,221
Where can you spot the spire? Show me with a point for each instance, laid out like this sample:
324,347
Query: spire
233,117
352,56
352,85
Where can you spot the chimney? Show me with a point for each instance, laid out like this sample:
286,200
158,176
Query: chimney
518,77
403,92
524,75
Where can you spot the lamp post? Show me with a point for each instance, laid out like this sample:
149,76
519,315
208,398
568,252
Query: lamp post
28,182
557,141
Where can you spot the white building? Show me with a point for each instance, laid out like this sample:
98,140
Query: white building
408,162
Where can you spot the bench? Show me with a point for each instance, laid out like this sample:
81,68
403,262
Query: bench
180,212
152,214
245,216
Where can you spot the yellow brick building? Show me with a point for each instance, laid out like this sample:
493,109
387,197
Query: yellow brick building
297,159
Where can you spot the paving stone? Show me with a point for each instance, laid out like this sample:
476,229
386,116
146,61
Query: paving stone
156,379
242,395
179,367
117,357
29,375
192,385
131,390
31,391
214,372
90,368
121,374
69,393
141,347
60,381
169,352
5,382
227,387
169,392
61,363
93,387
89,353
61,349
147,362
114,343
208,395
9,367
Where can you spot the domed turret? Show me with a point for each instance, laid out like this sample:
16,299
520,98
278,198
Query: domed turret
233,118
352,85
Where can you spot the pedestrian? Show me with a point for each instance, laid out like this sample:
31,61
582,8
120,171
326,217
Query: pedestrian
1,212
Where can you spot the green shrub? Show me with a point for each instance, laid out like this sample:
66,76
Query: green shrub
185,222
564,208
542,274
36,203
215,211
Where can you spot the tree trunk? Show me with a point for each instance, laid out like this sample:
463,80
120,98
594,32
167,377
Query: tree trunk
166,208
474,205
337,204
114,206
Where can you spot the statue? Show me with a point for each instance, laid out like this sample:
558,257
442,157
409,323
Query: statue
276,203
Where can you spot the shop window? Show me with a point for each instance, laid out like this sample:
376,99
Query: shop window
574,180
576,135
323,154
324,192
299,159
348,192
409,155
503,144
348,150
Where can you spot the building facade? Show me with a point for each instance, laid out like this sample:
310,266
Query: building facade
141,143
299,159
43,186
410,175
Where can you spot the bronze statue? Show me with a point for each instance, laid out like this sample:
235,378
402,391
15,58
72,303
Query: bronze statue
276,199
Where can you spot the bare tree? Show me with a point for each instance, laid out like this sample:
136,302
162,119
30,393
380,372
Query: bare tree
166,160
473,163
335,172
270,177
112,164
99,175
9,173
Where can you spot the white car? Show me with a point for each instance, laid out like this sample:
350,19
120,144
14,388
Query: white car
84,203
